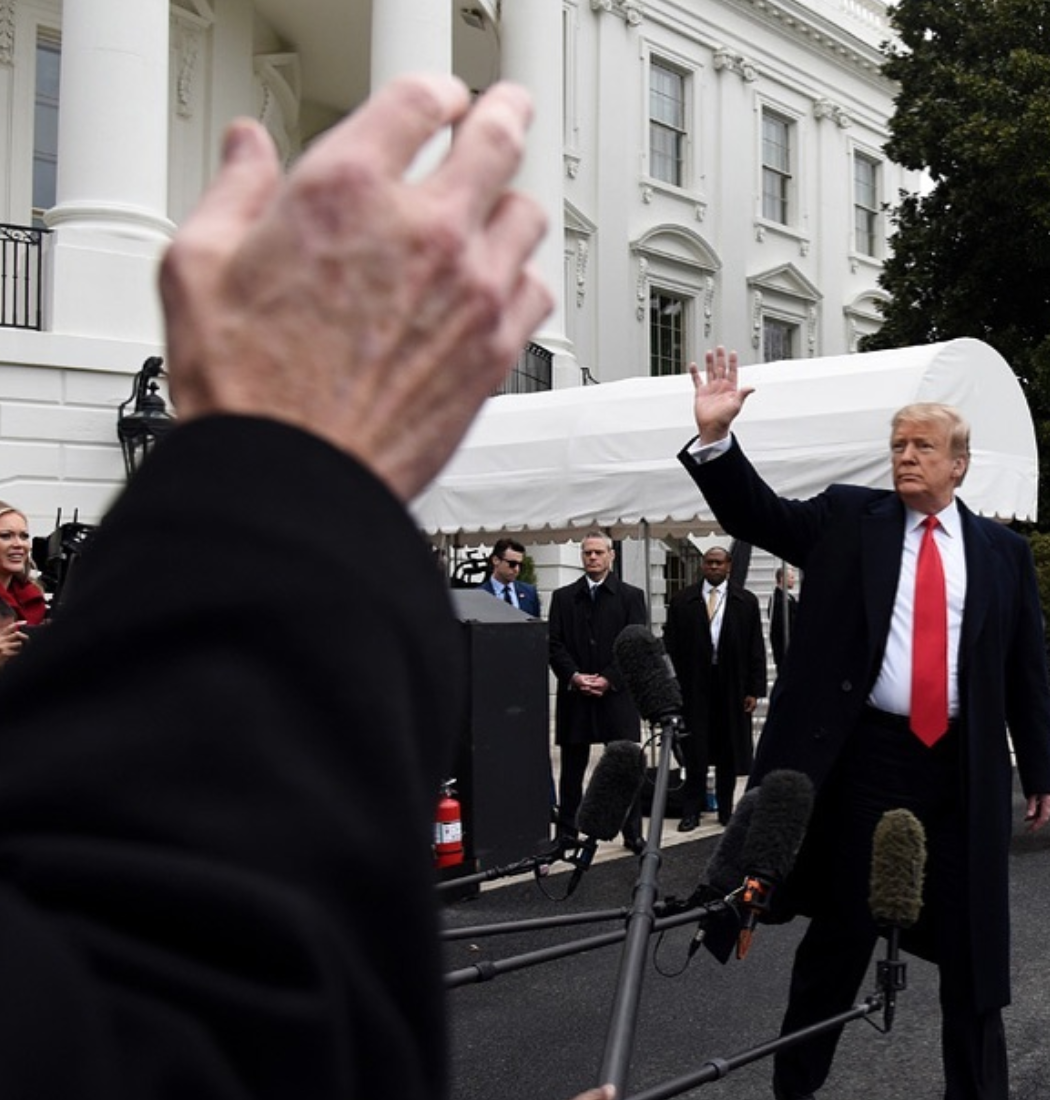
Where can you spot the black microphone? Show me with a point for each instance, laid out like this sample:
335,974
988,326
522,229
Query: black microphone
778,827
720,877
898,863
614,785
648,674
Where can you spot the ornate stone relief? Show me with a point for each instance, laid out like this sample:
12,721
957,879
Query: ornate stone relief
191,20
583,254
824,108
756,318
631,11
709,304
7,32
642,291
727,61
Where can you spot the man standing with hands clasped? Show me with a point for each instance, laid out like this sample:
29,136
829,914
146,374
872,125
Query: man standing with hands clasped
919,640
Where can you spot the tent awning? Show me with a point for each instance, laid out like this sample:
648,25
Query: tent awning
551,465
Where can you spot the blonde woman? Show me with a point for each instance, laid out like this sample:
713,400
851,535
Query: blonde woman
16,589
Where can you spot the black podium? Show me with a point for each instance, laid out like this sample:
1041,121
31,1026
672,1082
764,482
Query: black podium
502,769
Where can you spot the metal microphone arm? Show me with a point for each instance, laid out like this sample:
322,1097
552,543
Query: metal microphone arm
624,1016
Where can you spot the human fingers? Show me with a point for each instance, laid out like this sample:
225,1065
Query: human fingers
1038,811
515,227
605,1092
246,183
393,125
487,149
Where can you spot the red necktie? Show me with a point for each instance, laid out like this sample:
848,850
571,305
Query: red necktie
929,661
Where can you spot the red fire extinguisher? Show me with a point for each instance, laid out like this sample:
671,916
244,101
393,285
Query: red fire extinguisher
448,828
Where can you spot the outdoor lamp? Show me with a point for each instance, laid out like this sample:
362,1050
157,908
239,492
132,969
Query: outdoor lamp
149,420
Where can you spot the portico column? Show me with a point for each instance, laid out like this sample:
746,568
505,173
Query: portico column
407,37
531,54
110,217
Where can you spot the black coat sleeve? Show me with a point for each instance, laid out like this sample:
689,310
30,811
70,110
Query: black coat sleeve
217,775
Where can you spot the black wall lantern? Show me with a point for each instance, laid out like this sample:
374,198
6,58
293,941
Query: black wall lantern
149,420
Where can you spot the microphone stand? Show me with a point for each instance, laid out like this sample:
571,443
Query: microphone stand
717,1068
620,1035
890,978
487,970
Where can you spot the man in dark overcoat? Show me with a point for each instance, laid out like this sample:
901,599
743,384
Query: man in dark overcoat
592,705
713,636
843,710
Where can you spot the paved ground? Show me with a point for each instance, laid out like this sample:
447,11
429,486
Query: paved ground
539,1033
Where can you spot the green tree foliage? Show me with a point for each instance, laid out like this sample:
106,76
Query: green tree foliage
971,257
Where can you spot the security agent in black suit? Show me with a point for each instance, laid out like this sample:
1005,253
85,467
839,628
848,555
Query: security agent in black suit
592,705
216,878
841,712
713,636
783,607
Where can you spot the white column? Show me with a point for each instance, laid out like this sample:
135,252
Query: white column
532,54
110,217
410,36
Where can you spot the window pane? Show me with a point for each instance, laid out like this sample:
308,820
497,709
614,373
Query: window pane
865,204
666,123
666,96
666,334
776,168
777,340
45,124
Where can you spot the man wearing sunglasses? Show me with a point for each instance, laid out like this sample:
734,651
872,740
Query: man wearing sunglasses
508,556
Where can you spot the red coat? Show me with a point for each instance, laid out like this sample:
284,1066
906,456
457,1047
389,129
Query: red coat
27,600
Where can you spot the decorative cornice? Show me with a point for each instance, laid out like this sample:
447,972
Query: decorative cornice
725,60
7,32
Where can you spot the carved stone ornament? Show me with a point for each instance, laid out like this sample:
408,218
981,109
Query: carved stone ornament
709,304
7,32
725,59
756,319
583,253
631,11
642,292
823,108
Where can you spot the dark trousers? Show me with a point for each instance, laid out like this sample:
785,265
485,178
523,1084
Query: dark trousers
713,746
574,761
883,767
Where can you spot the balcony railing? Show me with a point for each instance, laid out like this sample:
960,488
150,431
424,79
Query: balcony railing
21,282
531,373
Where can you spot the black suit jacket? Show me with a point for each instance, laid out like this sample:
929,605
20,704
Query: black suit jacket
215,816
741,663
582,632
848,541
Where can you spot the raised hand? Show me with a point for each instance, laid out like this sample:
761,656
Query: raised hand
717,394
374,311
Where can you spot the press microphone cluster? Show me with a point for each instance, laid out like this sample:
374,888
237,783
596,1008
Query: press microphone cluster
615,784
898,866
755,855
648,674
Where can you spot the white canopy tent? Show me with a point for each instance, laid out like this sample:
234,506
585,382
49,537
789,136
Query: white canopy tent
551,465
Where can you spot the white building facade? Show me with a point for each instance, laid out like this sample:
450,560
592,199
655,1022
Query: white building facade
712,170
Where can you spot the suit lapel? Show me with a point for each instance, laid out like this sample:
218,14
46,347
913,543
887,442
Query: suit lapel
882,535
980,562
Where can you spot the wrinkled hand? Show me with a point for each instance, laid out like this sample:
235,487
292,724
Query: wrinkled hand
375,312
11,640
717,395
1037,813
